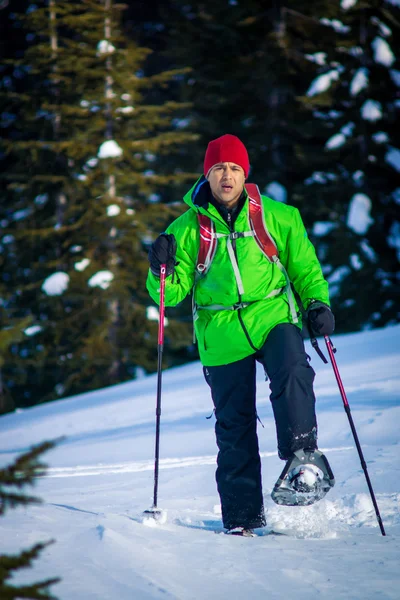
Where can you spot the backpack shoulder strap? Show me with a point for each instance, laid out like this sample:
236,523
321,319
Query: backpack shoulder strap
257,223
208,243
208,239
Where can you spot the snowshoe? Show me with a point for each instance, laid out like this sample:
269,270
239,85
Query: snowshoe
306,478
241,531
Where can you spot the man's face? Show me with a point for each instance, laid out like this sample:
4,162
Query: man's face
226,182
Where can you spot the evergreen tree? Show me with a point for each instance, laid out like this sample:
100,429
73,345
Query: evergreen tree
85,177
351,140
254,71
21,473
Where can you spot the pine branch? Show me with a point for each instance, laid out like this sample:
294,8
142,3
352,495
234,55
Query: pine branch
10,563
23,471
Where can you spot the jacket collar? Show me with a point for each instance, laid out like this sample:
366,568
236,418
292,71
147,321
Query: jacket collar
200,196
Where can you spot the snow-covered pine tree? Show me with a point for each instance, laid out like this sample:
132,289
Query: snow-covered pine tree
351,149
84,181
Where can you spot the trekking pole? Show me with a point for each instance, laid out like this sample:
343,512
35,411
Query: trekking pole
331,351
154,511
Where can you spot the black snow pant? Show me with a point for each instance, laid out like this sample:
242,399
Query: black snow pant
233,388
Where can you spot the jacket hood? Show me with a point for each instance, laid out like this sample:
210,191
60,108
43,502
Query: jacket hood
199,195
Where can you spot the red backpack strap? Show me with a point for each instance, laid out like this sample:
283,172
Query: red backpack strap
208,243
257,223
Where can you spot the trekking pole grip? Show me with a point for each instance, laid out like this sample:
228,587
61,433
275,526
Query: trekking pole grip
331,351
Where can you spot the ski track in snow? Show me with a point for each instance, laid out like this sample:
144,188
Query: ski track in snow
148,465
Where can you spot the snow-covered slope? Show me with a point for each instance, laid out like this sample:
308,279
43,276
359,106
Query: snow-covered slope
101,479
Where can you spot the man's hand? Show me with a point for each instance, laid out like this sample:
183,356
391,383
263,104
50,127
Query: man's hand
320,318
162,252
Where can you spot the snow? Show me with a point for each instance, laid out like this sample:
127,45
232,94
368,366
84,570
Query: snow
371,110
101,479
127,110
337,25
382,52
392,157
277,191
82,264
380,137
153,314
92,162
323,82
383,28
358,216
56,284
101,279
320,177
368,251
336,141
8,239
355,262
110,149
32,330
113,210
395,75
359,81
346,4
19,215
394,237
338,275
321,228
105,47
318,58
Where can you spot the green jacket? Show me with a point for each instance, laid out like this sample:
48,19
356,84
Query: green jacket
225,336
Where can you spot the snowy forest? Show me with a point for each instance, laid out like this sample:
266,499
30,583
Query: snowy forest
106,112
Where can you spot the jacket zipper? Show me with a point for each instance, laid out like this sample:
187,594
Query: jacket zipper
231,229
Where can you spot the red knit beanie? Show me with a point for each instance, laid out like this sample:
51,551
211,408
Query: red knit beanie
227,148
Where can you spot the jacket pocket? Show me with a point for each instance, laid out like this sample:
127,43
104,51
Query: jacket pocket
201,328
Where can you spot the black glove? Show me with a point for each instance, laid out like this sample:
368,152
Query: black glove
162,252
320,318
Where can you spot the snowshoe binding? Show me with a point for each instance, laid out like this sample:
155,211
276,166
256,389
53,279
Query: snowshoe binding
306,478
241,531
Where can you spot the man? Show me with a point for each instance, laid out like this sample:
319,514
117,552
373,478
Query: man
245,311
